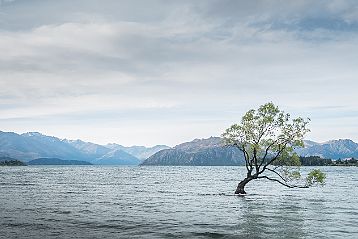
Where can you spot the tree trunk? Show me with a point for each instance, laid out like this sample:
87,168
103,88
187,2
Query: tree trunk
241,186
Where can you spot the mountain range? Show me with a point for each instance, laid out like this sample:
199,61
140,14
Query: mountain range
34,145
333,149
199,152
55,161
211,151
140,152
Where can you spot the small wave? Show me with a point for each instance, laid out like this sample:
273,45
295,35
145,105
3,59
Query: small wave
62,212
218,194
209,234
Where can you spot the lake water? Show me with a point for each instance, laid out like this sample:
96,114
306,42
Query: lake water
171,202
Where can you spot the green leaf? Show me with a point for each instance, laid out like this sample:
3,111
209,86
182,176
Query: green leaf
316,176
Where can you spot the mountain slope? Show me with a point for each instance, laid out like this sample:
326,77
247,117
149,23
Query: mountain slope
88,147
34,145
103,155
199,152
211,152
117,157
333,149
29,146
56,161
140,152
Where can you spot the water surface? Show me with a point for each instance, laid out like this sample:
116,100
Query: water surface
171,202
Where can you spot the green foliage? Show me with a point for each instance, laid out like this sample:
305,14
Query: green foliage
267,128
290,173
316,176
267,137
267,133
288,160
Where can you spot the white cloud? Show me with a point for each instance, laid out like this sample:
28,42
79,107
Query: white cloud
192,70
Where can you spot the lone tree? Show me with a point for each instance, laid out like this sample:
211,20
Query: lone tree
267,138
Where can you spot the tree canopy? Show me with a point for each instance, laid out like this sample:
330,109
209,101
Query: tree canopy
267,138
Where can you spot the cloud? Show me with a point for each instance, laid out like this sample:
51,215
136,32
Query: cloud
181,66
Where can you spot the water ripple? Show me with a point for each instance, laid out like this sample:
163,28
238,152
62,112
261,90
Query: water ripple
171,202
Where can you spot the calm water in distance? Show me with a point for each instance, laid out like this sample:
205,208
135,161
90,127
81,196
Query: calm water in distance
171,202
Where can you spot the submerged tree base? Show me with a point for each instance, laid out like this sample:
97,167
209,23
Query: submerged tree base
241,186
240,191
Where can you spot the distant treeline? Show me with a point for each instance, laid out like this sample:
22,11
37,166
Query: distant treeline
12,162
318,161
348,162
315,161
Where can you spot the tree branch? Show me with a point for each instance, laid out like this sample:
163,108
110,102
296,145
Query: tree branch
246,160
266,152
273,159
271,170
246,156
282,183
255,160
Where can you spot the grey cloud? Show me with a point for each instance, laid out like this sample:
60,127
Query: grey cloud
96,61
303,14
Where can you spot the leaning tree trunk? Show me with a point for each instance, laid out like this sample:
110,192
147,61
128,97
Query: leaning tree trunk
241,186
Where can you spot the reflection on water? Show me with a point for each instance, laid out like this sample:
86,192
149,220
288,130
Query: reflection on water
161,202
266,218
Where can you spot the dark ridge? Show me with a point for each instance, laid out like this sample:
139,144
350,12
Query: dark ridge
56,161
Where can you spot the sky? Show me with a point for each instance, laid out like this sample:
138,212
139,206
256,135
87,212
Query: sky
165,72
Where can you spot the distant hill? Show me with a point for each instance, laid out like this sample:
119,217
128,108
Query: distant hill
212,152
88,148
117,157
6,161
315,161
5,158
30,146
199,152
56,161
34,145
103,155
333,149
140,152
